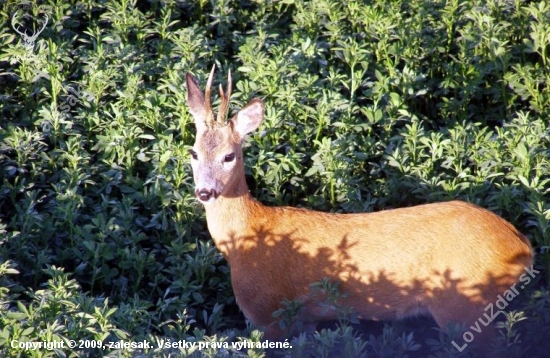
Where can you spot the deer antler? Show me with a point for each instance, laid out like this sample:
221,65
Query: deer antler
35,35
224,106
207,104
14,23
28,39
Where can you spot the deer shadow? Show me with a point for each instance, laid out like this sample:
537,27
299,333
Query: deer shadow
276,271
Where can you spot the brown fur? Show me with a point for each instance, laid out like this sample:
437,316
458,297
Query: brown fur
448,259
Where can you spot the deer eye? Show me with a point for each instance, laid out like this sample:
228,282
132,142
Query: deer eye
193,154
229,158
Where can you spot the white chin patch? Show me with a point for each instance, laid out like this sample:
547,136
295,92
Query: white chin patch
209,201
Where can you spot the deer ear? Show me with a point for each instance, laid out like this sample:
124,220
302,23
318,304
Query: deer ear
195,101
249,118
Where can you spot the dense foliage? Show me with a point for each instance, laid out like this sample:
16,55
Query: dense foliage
369,105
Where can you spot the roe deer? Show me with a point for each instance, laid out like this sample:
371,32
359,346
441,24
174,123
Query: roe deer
449,259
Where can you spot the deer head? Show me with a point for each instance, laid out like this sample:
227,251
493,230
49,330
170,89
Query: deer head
217,157
29,39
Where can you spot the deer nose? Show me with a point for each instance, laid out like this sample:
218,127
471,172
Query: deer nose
205,194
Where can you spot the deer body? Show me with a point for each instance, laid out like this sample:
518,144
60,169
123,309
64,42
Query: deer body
447,259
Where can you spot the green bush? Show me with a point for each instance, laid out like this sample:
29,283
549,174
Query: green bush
369,105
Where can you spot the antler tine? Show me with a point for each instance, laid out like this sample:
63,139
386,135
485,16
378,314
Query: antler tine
224,107
207,99
36,33
45,22
14,23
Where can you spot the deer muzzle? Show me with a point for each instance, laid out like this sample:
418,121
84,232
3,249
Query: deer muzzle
206,195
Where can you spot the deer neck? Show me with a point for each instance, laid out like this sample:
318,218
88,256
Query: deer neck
231,215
